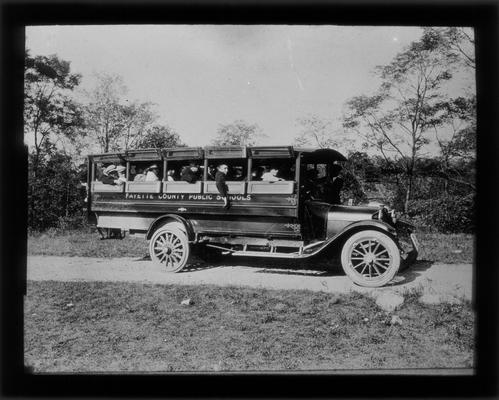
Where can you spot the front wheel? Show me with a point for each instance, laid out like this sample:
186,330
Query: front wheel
169,248
370,258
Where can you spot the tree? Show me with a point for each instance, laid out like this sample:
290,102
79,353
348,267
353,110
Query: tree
116,123
454,41
319,132
460,147
159,136
103,111
239,133
54,198
137,118
397,120
49,108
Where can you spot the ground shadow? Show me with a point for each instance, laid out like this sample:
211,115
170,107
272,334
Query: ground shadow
319,267
411,273
195,265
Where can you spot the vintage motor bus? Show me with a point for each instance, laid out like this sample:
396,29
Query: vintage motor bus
281,219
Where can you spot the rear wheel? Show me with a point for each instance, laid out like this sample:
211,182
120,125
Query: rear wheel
169,248
370,258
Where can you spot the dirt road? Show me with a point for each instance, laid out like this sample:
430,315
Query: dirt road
440,281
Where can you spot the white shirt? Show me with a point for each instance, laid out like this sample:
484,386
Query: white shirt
268,177
151,177
121,180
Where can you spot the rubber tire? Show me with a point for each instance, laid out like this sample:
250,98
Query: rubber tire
384,240
175,229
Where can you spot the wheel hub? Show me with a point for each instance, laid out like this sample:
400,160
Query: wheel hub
369,258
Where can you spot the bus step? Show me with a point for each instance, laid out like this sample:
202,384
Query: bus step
265,254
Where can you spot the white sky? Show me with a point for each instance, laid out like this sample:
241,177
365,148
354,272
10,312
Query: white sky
201,76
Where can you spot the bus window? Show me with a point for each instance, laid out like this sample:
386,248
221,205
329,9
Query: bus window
272,176
273,170
238,169
140,169
236,178
183,176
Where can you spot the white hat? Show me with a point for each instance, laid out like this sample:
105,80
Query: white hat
109,169
120,168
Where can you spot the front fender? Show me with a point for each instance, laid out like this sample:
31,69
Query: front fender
171,218
362,225
348,231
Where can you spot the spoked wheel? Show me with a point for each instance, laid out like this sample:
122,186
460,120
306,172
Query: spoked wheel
169,248
370,258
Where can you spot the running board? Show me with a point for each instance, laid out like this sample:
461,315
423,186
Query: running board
272,253
313,248
266,254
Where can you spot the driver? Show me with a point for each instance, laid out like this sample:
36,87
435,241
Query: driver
332,184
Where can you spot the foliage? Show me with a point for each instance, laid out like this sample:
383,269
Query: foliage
456,42
55,195
159,136
447,214
320,132
238,133
136,118
84,242
116,123
49,107
397,120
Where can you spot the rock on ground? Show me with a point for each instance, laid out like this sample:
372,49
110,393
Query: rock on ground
389,301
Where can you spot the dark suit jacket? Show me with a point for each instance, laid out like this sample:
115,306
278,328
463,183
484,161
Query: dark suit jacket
222,187
108,180
188,175
333,189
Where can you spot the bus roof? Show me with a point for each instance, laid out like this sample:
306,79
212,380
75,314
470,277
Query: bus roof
308,153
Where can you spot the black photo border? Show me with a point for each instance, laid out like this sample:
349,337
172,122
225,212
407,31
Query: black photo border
17,381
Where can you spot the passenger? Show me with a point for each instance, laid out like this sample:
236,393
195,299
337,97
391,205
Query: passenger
256,174
238,175
120,169
98,172
288,172
271,176
311,176
222,187
152,173
190,173
169,175
107,177
140,176
310,183
211,173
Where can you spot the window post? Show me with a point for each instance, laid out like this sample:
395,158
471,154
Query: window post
250,167
205,172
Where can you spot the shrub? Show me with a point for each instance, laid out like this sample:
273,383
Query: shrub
448,214
55,195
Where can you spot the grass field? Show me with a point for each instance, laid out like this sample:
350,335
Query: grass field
83,326
455,248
